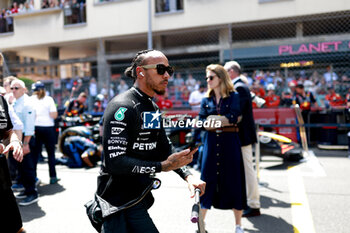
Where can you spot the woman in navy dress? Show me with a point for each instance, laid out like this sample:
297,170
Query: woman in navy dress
222,164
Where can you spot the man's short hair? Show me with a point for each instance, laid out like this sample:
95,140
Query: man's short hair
233,65
9,79
19,82
300,86
82,94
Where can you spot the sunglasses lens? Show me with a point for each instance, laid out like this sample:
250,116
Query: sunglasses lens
170,70
162,68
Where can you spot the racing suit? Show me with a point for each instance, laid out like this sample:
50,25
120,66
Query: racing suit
131,151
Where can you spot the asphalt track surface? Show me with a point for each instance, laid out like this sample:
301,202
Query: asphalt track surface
311,196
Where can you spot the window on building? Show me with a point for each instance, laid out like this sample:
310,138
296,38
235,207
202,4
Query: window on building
74,12
163,6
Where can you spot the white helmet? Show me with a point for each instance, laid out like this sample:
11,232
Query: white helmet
270,87
99,97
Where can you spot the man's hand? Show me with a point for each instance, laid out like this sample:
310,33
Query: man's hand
224,121
194,183
17,150
2,148
177,160
26,149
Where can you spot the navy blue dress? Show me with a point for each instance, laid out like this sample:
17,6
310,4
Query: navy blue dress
222,165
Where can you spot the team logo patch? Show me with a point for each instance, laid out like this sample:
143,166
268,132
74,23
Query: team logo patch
119,115
116,130
151,120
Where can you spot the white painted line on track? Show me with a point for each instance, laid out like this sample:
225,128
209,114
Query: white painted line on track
314,164
301,214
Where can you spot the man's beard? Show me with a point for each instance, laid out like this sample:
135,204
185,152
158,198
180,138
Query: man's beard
159,92
152,85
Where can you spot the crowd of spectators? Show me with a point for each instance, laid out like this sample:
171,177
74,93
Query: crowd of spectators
74,11
72,87
275,88
50,4
6,19
329,88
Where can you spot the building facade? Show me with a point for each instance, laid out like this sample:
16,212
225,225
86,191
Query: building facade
99,37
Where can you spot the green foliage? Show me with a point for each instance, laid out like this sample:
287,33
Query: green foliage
28,82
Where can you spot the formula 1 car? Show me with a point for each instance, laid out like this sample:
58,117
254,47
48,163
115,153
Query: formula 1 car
280,146
271,144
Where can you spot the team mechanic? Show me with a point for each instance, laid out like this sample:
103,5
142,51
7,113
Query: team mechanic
133,152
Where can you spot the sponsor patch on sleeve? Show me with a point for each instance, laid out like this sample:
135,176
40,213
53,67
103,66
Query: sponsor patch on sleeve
119,114
116,130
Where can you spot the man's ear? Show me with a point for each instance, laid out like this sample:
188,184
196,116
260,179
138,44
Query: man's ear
139,72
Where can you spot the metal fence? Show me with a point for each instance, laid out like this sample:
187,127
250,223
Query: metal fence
313,50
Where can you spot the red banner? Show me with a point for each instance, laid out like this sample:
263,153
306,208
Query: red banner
262,116
278,116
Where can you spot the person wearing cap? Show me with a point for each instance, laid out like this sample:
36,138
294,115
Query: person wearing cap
247,136
46,113
292,86
77,106
98,106
26,169
305,99
272,100
196,97
333,98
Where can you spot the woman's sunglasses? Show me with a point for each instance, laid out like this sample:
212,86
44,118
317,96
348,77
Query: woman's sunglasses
15,88
211,77
160,68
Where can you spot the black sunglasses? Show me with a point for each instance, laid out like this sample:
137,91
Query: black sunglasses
160,68
15,88
211,77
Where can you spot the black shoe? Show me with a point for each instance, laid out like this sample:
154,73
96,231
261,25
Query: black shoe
30,199
251,212
54,180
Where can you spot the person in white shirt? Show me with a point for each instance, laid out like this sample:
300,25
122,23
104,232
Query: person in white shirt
92,93
190,83
122,87
330,76
46,113
196,98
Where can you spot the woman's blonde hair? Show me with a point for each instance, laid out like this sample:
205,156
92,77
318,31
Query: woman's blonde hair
226,85
40,93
